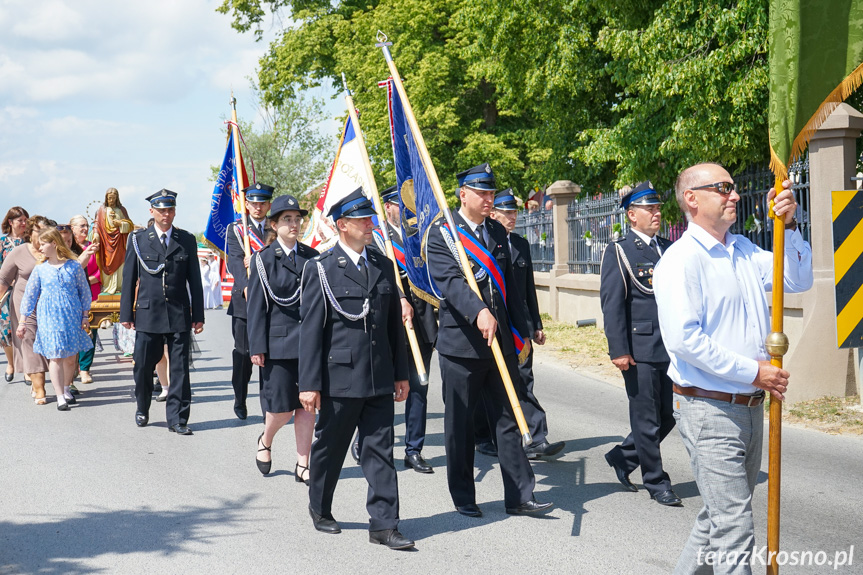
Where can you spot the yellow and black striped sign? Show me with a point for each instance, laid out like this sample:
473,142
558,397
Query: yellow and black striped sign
848,266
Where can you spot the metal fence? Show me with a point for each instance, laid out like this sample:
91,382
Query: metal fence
596,221
537,228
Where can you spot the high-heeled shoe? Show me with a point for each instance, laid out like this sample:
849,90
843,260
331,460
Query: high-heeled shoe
263,466
298,475
9,377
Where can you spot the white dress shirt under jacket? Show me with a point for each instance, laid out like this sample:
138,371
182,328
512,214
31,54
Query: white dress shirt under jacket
712,302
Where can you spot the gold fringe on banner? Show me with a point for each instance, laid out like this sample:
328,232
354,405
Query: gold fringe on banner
831,102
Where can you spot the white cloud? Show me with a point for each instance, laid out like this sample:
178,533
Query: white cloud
9,171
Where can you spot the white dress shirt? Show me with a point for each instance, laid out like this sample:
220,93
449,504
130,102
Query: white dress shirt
288,250
647,239
167,234
712,303
355,257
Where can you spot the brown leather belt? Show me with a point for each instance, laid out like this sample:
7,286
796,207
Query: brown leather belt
737,399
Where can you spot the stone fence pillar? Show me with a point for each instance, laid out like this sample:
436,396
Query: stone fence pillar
562,192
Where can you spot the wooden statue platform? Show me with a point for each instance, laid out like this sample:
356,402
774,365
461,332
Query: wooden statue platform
105,311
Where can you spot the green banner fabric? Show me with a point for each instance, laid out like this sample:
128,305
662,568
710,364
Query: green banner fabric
816,51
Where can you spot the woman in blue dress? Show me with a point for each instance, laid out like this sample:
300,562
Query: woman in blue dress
59,293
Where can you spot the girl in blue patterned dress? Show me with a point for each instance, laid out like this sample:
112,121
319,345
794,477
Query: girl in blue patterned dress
59,293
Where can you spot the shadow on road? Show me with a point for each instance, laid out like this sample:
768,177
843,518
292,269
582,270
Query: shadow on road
72,541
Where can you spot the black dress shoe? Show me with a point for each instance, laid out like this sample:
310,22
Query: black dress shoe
417,463
160,398
263,466
355,451
668,498
622,475
9,377
324,524
141,419
544,449
531,507
469,510
487,448
391,538
63,407
180,429
241,412
71,400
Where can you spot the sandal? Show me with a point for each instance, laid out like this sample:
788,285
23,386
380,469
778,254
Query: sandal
40,401
263,466
298,475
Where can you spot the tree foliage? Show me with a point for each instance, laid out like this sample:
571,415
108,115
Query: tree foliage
602,93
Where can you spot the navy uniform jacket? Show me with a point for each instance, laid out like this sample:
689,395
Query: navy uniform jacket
458,335
237,307
163,300
630,316
344,358
274,330
425,322
522,269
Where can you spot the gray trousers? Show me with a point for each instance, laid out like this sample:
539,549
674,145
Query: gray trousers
724,445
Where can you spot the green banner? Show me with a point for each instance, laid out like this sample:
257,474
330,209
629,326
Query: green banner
816,51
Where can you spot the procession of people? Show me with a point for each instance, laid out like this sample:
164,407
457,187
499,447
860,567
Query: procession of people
326,331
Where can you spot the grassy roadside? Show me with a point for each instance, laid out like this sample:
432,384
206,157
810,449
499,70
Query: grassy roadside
586,349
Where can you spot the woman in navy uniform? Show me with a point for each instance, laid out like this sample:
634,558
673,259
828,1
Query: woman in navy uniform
273,311
162,261
353,361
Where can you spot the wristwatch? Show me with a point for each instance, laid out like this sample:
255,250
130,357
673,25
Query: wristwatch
791,225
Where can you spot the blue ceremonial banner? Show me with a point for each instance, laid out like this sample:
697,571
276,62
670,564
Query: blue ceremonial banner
222,205
416,199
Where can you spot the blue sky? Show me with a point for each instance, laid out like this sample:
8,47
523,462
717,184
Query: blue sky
131,95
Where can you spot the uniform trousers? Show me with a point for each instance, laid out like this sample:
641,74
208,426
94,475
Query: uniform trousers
242,363
724,444
416,404
464,381
534,414
651,418
337,419
149,349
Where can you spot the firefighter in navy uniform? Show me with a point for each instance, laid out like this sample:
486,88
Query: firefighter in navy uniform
425,327
353,364
506,212
635,344
162,261
258,198
468,368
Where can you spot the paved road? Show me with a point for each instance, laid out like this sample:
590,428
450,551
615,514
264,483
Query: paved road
88,492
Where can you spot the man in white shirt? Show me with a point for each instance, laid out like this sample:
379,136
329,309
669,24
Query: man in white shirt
710,289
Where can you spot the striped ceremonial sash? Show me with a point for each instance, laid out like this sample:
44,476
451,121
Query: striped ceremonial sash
480,254
254,241
398,250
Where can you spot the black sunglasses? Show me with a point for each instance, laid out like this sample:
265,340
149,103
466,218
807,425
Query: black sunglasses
724,188
64,228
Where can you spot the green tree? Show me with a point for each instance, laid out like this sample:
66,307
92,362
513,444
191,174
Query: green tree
286,146
603,93
456,109
692,86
